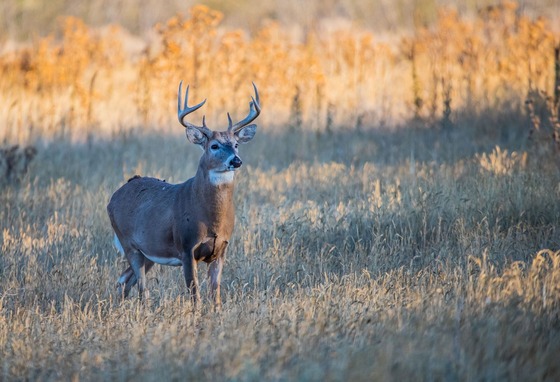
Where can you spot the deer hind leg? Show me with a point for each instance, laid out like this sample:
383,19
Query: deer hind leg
125,282
139,265
128,279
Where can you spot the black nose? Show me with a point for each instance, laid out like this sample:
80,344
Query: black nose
236,162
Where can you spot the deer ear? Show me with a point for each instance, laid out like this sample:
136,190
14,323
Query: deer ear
246,134
195,136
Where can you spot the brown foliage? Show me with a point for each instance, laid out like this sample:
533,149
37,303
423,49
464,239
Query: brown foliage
65,84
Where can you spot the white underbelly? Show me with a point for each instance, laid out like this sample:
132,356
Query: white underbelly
173,261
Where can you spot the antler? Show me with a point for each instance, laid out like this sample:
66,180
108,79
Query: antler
254,111
181,114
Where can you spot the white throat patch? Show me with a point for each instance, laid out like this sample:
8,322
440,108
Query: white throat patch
218,178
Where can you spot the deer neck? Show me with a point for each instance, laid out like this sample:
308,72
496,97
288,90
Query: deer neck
214,191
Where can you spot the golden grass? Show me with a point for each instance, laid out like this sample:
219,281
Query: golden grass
355,265
91,81
360,252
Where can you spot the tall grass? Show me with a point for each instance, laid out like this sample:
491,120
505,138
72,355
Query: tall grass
95,82
357,260
397,220
24,19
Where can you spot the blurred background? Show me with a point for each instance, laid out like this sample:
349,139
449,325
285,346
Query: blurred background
78,69
397,213
24,19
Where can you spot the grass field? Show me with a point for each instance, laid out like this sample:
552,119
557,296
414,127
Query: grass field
424,246
373,255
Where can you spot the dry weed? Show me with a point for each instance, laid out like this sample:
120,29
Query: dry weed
341,74
338,269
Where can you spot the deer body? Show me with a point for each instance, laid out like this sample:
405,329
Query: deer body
182,224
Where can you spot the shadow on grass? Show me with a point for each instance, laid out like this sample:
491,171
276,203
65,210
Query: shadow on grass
278,146
442,219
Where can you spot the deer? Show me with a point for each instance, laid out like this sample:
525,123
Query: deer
155,222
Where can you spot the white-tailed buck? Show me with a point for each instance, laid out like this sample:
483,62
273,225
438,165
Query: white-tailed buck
182,224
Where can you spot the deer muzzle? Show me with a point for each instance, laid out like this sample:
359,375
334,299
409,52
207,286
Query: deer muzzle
236,162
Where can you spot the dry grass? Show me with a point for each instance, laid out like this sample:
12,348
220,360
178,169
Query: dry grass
90,81
361,251
355,261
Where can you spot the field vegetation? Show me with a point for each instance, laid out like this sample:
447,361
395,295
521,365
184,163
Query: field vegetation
397,211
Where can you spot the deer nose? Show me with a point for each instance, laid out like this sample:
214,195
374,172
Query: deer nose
236,162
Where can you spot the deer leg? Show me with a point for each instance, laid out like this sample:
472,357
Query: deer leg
128,279
123,283
138,264
191,277
215,276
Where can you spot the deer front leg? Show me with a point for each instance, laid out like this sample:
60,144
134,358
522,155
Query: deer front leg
138,264
191,276
215,276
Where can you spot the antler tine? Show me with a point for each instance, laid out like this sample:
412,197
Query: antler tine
257,96
254,111
182,113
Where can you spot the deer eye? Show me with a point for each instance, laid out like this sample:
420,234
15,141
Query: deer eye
214,147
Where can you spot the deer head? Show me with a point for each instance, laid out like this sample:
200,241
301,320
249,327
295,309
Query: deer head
220,158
